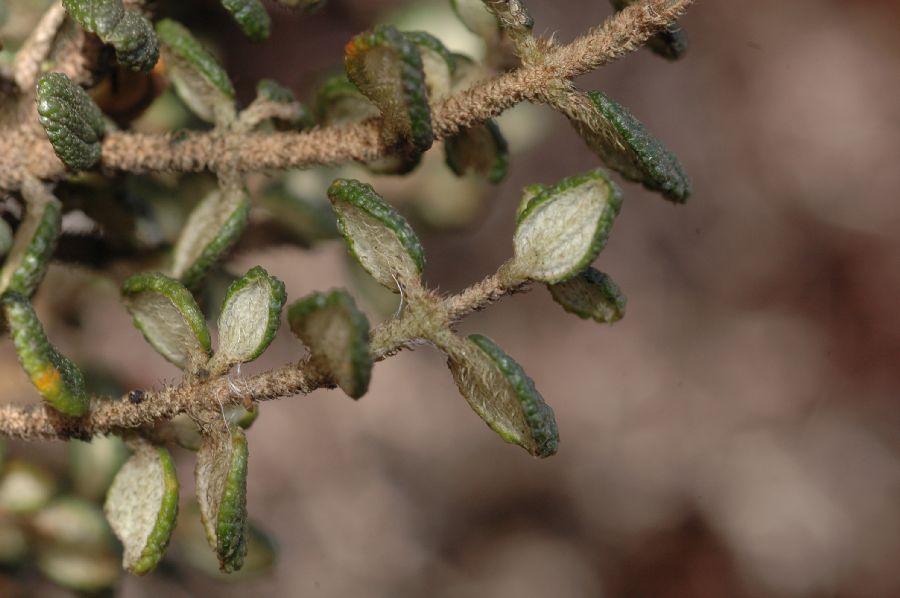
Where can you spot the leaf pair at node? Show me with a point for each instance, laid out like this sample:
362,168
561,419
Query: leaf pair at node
128,31
169,318
560,231
386,246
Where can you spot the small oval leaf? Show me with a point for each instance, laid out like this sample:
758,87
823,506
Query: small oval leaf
34,242
221,475
56,378
249,319
502,394
590,295
337,334
128,31
142,505
198,78
622,142
251,16
481,150
387,68
169,318
73,122
378,237
564,227
209,232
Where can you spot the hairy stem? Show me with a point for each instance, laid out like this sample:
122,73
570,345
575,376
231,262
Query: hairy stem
109,415
190,152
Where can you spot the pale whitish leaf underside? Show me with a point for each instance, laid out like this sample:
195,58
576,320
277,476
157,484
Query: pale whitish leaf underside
141,506
559,237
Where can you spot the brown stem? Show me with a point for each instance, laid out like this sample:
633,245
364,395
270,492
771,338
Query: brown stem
191,152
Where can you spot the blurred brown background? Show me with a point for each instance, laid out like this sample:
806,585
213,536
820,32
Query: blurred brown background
735,435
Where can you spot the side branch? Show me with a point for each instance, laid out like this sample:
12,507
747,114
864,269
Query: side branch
191,152
110,415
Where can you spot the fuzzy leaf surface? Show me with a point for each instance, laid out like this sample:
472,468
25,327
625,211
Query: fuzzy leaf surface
565,226
142,506
336,332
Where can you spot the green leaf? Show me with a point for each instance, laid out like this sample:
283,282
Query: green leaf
251,16
622,142
378,237
221,476
93,465
671,43
590,295
210,231
56,378
25,488
142,505
128,31
169,318
387,68
565,226
481,150
198,78
250,316
438,63
75,522
73,122
34,242
502,394
337,334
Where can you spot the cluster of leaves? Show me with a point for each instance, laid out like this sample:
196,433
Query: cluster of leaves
398,77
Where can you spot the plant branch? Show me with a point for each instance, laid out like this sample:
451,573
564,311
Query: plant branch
109,415
190,152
